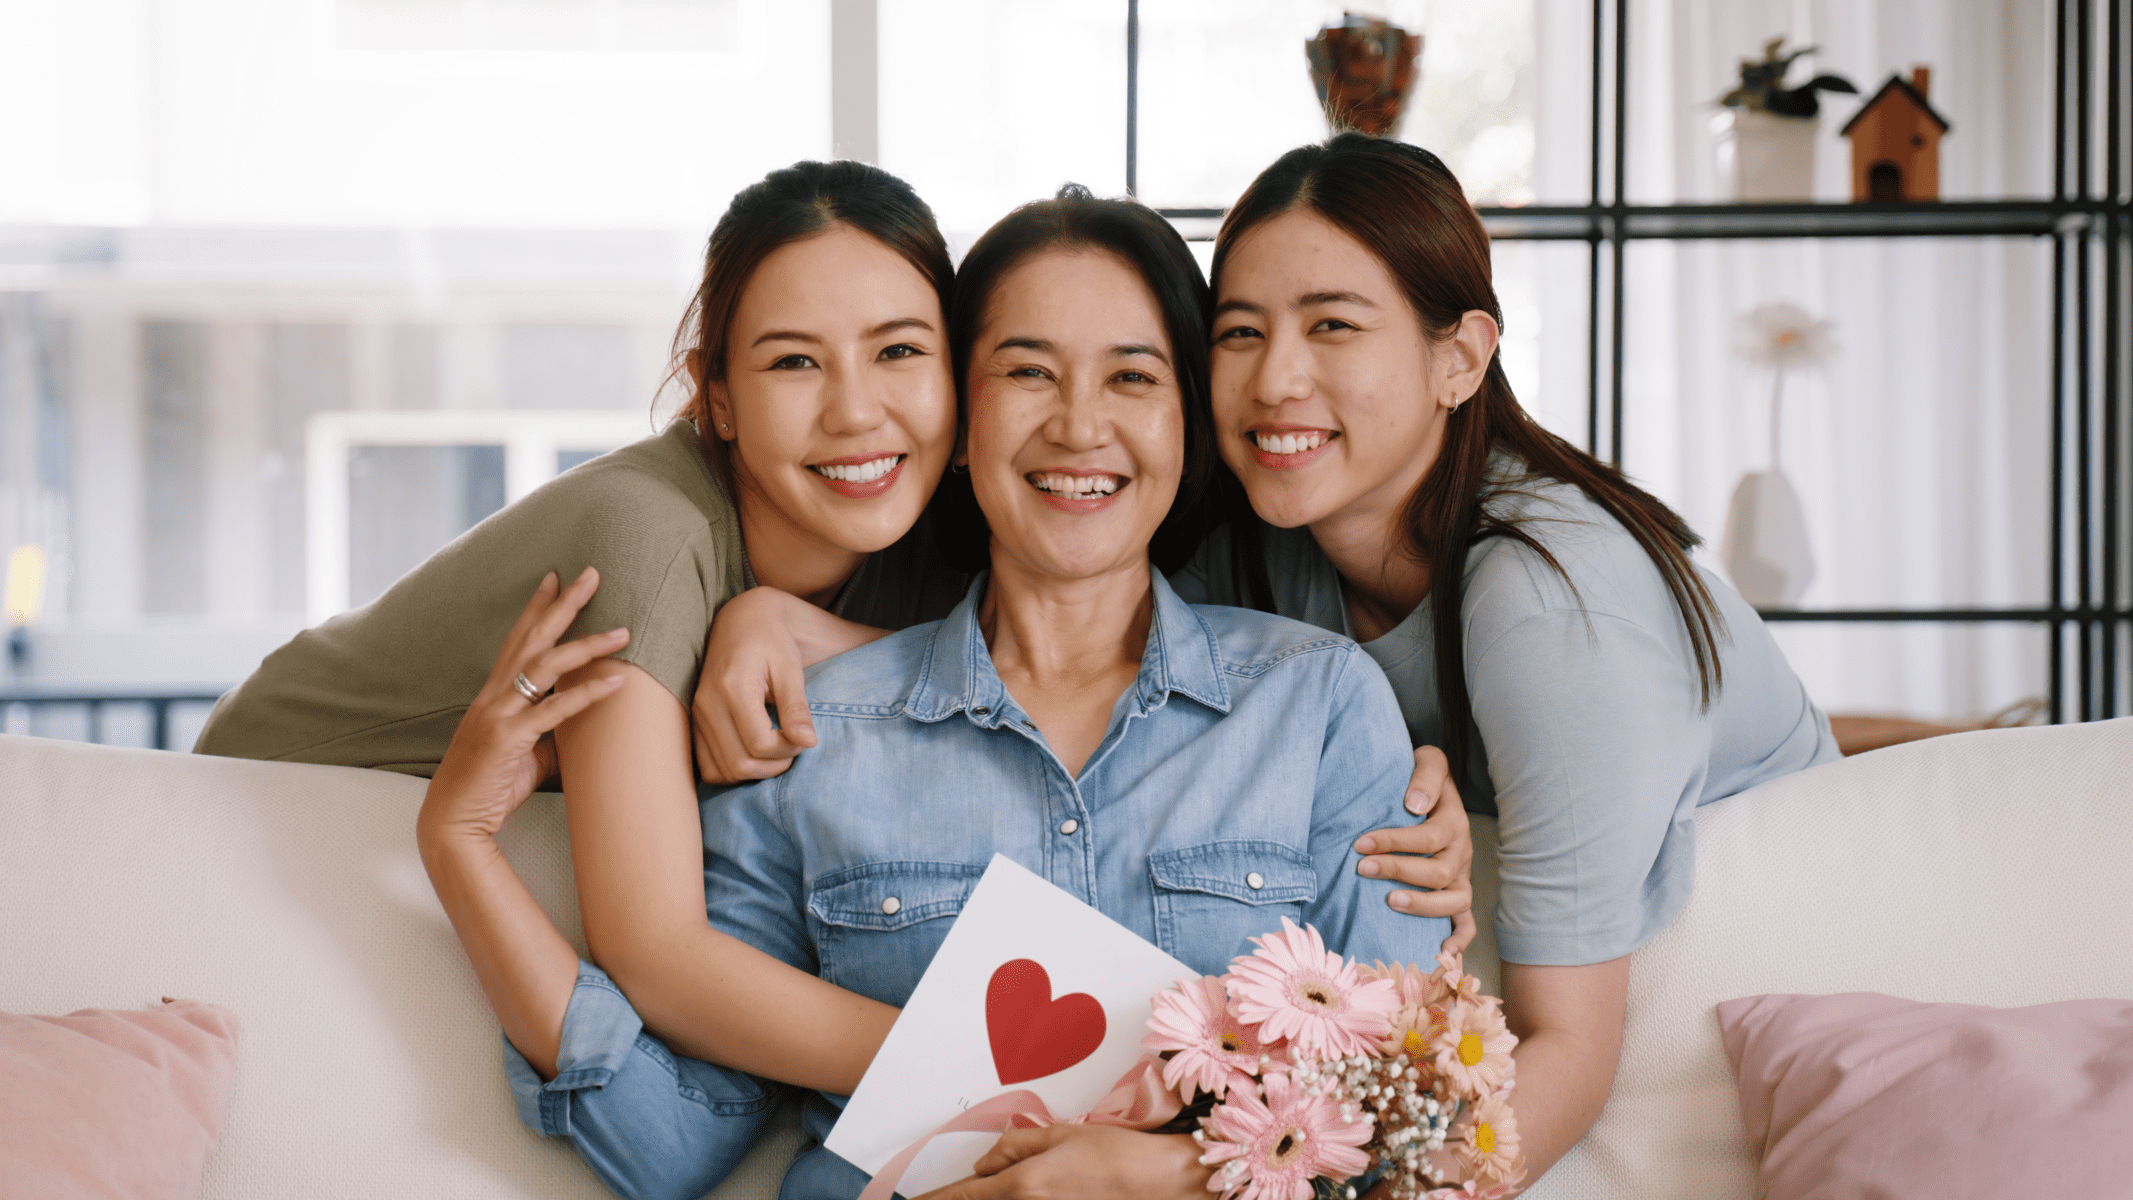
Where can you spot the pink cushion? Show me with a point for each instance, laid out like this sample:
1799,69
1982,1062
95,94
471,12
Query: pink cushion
121,1104
1868,1095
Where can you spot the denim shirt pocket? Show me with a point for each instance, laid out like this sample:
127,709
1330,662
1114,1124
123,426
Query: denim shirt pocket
1210,899
877,925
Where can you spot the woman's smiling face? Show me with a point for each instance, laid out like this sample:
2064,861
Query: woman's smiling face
1324,397
838,396
1076,436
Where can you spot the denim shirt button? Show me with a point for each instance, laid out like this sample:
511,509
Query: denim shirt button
890,905
1255,881
1068,826
981,711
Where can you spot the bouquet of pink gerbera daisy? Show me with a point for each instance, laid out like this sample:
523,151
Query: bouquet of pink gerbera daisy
1319,1070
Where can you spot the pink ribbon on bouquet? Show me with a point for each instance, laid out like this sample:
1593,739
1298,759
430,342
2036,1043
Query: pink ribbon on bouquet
1137,1101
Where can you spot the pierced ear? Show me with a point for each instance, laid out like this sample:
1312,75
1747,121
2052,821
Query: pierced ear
1472,347
719,404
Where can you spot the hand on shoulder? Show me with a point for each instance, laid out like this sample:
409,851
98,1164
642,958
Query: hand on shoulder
501,751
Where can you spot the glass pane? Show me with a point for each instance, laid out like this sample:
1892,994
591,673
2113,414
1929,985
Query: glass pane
405,502
1990,64
1225,89
986,104
1919,450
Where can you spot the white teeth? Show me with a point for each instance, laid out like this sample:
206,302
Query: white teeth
866,472
1060,484
1289,443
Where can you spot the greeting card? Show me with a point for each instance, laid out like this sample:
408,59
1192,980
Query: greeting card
1032,989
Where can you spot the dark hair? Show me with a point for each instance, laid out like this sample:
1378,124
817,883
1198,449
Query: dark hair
1076,220
788,205
1400,202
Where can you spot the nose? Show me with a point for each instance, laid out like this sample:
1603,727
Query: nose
1082,420
851,400
1283,372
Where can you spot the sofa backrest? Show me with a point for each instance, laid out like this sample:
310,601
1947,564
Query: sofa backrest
368,1062
1986,868
1980,868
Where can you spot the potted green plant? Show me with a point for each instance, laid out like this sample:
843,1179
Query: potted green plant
1767,133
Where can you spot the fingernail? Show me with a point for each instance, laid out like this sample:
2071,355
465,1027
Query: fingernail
617,633
1365,845
1414,805
1369,867
1399,899
587,571
548,579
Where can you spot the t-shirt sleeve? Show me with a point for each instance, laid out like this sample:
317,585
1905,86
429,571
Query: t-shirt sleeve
662,581
1362,779
1597,749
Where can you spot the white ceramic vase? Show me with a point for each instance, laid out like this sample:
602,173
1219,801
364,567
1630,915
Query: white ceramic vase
1765,547
1768,157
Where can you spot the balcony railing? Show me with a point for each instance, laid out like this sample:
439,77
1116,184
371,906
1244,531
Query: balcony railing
157,699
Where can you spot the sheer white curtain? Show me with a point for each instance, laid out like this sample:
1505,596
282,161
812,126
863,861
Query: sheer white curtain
1922,453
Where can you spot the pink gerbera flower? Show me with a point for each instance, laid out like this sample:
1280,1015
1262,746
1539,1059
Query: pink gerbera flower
1453,982
1416,986
1485,1145
1215,1050
1293,988
1473,1049
1272,1151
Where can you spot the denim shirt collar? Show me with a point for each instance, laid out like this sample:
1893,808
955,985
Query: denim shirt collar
958,673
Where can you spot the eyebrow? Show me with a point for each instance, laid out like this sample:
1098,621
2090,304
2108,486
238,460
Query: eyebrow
900,323
1043,346
886,327
1310,298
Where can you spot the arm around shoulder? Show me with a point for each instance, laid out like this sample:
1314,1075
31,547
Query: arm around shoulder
637,846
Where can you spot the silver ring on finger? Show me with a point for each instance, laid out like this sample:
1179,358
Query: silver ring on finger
524,687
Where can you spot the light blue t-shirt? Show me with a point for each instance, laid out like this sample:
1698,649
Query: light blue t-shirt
1595,748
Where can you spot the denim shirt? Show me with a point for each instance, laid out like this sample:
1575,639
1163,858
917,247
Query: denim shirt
1230,785
1226,794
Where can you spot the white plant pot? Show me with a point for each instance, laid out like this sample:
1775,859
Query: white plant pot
1767,157
1765,548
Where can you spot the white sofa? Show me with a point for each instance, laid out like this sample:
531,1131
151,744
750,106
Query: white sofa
1991,868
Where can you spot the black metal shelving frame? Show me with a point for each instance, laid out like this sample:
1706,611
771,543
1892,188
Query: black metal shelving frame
2089,220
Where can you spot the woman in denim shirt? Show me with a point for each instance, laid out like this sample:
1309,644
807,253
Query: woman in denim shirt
1196,773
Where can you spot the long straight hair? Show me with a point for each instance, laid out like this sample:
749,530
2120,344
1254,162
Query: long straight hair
1404,205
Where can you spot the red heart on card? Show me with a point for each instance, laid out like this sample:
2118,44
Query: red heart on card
1032,1034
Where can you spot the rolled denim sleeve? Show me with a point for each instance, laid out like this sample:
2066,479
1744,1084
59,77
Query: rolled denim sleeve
652,1125
1362,780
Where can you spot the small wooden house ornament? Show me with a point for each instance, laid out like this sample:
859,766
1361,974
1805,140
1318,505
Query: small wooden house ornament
1896,143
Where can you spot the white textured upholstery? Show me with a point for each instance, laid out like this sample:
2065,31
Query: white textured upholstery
368,1063
1990,868
1981,868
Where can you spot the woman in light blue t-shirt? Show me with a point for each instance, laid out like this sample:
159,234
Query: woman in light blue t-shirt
1537,613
